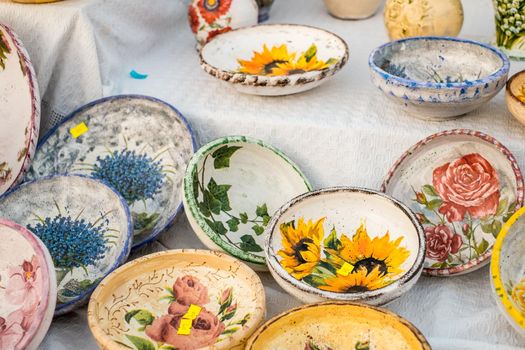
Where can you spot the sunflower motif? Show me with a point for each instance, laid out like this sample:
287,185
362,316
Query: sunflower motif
518,295
263,63
211,10
357,281
306,63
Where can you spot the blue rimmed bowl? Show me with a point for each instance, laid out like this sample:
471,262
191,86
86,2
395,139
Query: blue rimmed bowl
438,77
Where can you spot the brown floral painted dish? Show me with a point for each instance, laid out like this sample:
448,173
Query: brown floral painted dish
463,185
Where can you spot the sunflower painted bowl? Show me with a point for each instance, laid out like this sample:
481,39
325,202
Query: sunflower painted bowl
515,96
345,244
274,59
180,299
337,326
232,187
438,77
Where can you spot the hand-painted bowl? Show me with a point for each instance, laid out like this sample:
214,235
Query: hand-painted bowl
515,96
345,244
27,288
232,187
274,59
138,144
438,77
149,302
337,326
85,225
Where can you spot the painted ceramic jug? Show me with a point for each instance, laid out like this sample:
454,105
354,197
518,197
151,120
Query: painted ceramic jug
510,27
352,9
209,18
408,18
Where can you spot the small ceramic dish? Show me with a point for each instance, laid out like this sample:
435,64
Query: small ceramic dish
515,96
337,326
274,59
146,303
232,187
85,225
345,244
137,144
27,288
438,77
462,185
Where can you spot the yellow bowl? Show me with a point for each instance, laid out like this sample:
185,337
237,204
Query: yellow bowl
515,88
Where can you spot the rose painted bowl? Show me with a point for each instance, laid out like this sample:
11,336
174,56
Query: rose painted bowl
515,96
462,185
27,288
85,225
345,244
19,110
143,303
232,187
274,59
337,326
145,163
438,77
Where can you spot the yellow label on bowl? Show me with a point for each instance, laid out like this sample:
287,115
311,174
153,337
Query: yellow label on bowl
185,326
78,130
192,312
345,269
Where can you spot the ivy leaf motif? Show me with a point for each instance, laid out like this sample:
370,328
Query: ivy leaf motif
233,224
249,245
140,343
220,194
243,217
259,230
217,227
262,210
222,156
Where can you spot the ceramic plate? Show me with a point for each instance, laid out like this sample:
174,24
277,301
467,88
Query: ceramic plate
345,243
19,110
146,303
27,288
463,185
275,59
139,145
337,326
85,225
232,187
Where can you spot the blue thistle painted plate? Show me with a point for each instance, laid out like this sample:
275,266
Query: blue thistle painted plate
137,144
85,225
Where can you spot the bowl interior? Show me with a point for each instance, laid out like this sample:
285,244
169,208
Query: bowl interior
517,86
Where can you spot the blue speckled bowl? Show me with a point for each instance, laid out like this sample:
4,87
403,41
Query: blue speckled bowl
438,77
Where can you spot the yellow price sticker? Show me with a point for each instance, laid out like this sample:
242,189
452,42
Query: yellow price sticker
79,130
345,269
185,327
193,312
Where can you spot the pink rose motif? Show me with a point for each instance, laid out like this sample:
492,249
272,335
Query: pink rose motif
467,185
188,290
11,332
441,242
24,285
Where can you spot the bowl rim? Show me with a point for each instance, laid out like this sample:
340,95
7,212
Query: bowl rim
192,209
412,273
509,85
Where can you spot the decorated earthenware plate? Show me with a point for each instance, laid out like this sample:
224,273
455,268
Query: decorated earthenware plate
27,288
139,145
337,326
232,187
19,110
179,299
462,185
84,224
347,244
274,59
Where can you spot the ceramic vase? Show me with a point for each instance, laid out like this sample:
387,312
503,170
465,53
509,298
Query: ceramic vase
510,27
264,9
352,9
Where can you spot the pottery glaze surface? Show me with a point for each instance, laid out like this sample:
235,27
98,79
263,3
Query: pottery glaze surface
352,9
515,96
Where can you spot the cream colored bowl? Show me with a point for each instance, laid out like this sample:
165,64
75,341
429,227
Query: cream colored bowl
514,91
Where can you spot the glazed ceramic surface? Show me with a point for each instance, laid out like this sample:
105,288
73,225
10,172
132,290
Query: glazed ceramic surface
84,224
345,243
139,145
27,288
19,110
264,9
463,185
144,304
438,77
510,32
352,9
232,187
515,96
276,59
337,326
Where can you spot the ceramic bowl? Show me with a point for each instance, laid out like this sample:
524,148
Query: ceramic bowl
515,96
27,288
274,59
352,9
462,185
264,9
345,244
337,326
19,110
146,301
232,187
85,225
145,162
438,77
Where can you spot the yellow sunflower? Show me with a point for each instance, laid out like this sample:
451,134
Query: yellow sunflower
263,63
521,95
518,295
358,281
306,63
301,247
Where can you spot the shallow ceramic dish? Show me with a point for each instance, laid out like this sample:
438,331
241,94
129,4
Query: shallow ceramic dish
138,144
515,96
85,225
352,9
27,288
232,187
462,185
337,326
345,244
438,77
141,305
19,110
274,59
